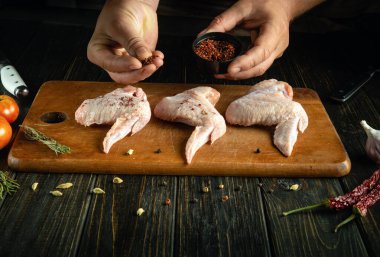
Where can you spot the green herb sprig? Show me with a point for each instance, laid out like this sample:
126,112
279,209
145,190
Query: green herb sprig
34,134
7,184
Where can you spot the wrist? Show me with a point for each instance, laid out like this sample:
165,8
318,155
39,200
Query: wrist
295,8
151,3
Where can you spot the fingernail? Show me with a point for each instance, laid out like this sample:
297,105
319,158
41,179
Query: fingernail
142,53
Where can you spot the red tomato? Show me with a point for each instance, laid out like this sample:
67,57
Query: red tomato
8,108
5,132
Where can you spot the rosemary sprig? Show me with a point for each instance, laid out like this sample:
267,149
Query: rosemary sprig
34,134
7,184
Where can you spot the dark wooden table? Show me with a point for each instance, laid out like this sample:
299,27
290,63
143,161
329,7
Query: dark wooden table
51,45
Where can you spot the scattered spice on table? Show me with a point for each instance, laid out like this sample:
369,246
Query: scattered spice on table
129,152
258,150
117,180
34,134
98,190
56,193
158,151
344,201
7,184
205,189
140,211
64,185
34,186
215,50
225,198
361,207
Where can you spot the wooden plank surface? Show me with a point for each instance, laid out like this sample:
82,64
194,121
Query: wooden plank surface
310,61
318,152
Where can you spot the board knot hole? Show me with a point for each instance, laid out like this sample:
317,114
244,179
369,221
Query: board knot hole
53,117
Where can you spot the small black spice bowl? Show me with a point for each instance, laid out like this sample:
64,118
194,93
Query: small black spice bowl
214,66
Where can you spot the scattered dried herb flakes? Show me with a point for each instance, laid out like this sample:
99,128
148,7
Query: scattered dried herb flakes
258,150
7,184
225,198
158,151
56,193
140,211
34,186
205,190
117,180
34,134
98,190
64,185
294,187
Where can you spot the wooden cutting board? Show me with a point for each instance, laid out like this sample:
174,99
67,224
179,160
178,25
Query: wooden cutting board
318,151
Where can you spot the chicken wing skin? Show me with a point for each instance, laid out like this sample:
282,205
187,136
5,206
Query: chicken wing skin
268,103
194,107
126,108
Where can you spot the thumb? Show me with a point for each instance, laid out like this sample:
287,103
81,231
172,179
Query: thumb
227,20
134,43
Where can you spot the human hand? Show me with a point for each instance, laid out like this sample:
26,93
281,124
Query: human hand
125,35
268,24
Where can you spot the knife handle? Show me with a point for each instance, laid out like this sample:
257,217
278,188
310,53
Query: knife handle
12,81
350,88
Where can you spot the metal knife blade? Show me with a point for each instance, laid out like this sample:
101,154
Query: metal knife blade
11,79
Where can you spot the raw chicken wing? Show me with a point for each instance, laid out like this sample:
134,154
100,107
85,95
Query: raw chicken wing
270,103
126,108
194,107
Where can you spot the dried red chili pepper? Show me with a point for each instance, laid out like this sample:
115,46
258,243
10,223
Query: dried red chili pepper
344,201
361,207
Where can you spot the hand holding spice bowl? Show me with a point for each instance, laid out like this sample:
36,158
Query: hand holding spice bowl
268,25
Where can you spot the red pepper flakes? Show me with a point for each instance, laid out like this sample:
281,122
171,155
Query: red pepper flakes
147,61
225,198
214,50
